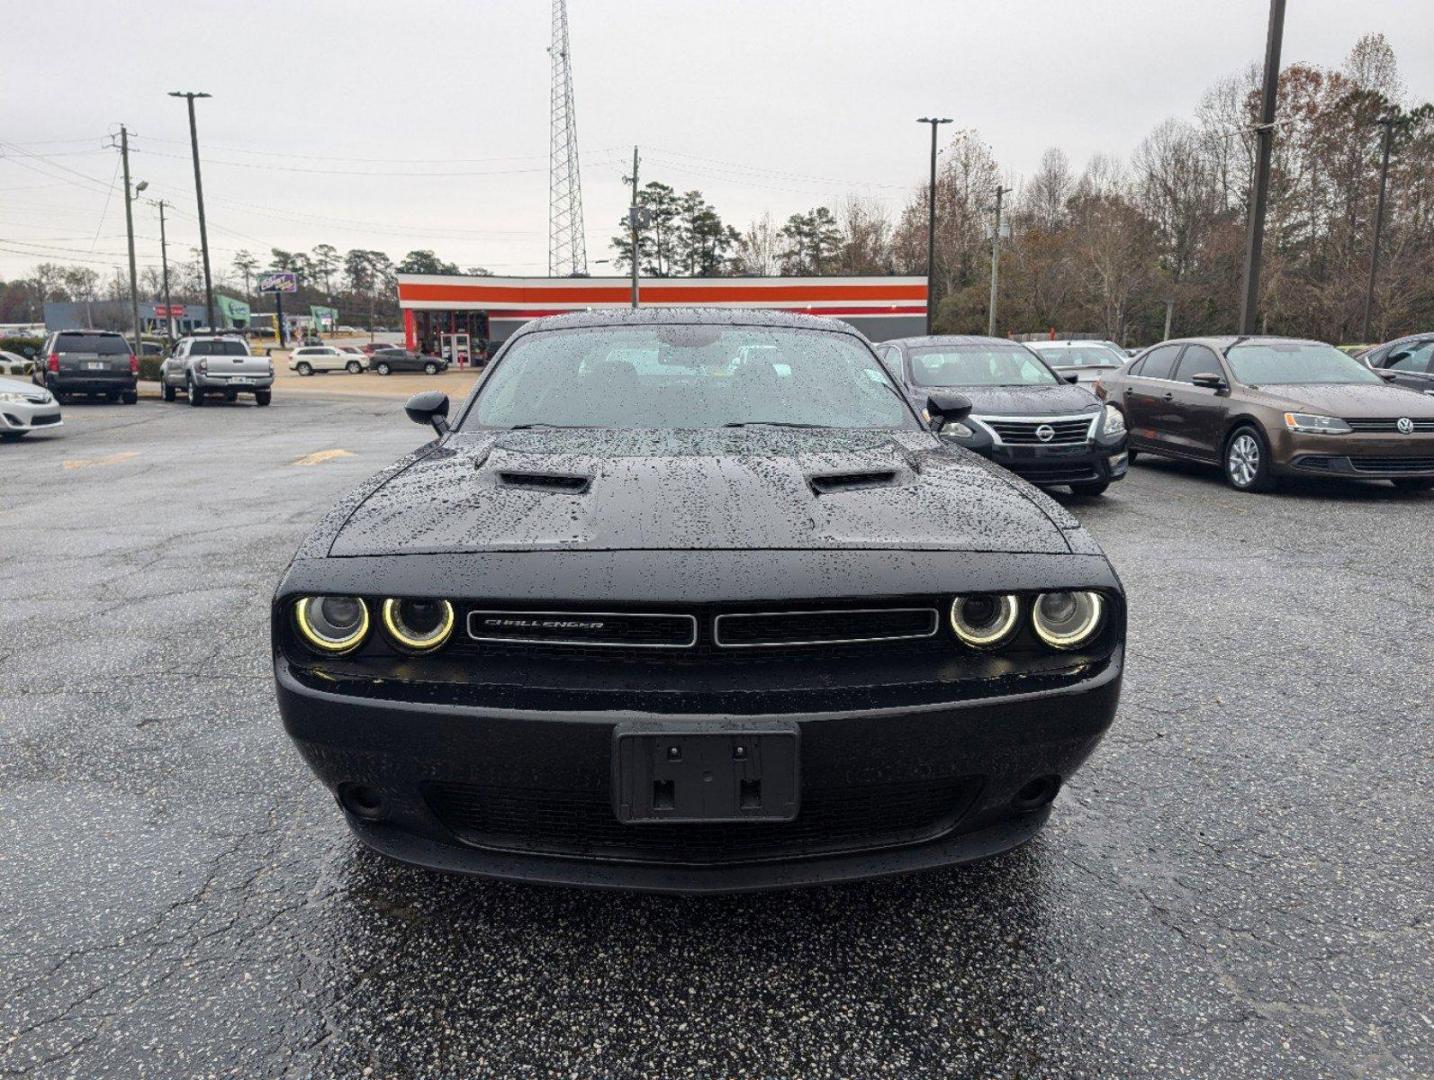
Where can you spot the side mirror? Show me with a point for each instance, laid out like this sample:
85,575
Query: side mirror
946,407
1209,380
1387,376
429,407
1070,377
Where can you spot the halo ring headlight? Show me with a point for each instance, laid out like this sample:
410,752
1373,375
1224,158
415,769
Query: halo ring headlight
418,625
332,625
1067,620
985,621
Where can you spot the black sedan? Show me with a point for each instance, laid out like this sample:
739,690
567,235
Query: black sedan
1024,415
694,601
387,361
1406,362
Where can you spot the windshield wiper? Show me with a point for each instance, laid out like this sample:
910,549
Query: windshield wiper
773,423
530,427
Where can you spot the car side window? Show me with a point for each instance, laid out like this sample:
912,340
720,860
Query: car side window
1198,360
1412,357
1160,363
891,360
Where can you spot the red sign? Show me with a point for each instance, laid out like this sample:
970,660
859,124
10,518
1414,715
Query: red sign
173,311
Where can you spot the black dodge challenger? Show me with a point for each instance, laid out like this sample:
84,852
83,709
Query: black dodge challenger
693,601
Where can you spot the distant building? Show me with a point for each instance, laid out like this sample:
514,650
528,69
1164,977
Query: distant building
115,315
491,308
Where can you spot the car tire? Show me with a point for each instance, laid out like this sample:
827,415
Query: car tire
130,397
112,398
263,397
1091,488
167,392
354,367
196,395
1414,483
304,368
1246,460
383,369
430,368
1132,455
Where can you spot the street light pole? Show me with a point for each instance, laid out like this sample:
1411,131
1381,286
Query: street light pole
190,95
164,269
995,262
935,122
129,197
634,215
1260,189
1387,122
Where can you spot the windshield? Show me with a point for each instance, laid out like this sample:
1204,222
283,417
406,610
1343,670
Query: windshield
1080,355
996,364
689,376
1263,362
218,348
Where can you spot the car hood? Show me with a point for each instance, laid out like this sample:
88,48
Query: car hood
29,389
747,488
1050,400
1347,400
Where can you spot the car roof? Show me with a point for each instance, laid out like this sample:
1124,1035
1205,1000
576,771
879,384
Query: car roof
1103,343
950,339
679,316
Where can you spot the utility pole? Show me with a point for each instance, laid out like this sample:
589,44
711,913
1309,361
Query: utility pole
129,195
634,221
1169,317
164,265
190,95
1260,189
935,122
995,261
1387,122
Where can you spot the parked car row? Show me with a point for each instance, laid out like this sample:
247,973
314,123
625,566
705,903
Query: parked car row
355,359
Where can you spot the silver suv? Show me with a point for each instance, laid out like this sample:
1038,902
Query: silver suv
219,364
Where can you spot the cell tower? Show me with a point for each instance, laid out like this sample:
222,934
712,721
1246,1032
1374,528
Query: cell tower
567,249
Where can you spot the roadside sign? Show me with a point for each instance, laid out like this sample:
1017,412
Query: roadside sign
279,281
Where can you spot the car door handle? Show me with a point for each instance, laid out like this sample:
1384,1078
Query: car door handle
1169,397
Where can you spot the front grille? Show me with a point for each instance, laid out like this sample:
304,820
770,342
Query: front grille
600,628
582,824
1054,474
772,628
1392,464
1389,425
1023,432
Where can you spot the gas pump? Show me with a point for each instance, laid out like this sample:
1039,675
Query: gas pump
456,348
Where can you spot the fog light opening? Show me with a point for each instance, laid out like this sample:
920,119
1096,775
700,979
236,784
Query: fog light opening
1039,792
361,802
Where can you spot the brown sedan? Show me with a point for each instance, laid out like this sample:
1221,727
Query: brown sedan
1265,407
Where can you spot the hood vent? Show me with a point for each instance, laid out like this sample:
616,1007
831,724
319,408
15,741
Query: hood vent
545,481
852,481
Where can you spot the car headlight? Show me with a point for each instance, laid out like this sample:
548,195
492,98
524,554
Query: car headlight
16,399
332,624
1067,620
1311,424
418,625
984,621
1114,422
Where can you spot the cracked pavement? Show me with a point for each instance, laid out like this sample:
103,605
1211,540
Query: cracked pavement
1239,883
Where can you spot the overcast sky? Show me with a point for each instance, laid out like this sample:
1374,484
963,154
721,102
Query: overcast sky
424,124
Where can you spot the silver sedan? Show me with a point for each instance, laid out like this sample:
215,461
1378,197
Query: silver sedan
25,407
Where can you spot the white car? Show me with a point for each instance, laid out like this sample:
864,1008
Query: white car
308,359
25,407
1086,359
15,364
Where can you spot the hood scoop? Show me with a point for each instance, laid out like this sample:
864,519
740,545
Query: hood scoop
572,483
828,483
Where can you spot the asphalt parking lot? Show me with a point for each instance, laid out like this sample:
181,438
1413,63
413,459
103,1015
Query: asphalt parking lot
1239,884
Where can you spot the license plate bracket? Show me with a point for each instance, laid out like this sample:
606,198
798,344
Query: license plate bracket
717,771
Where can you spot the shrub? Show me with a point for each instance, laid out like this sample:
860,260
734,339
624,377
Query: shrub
28,347
149,367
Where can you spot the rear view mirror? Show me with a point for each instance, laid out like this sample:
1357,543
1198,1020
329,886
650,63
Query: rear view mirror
429,407
1209,380
1070,377
946,407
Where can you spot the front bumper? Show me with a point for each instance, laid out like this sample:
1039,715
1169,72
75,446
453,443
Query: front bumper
526,794
1358,455
29,416
1082,463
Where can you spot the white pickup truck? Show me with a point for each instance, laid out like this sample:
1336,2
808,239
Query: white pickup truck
221,364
